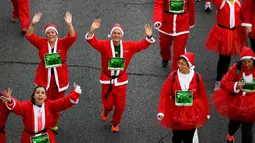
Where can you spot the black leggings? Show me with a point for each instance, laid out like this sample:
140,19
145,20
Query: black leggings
222,66
252,44
186,136
247,136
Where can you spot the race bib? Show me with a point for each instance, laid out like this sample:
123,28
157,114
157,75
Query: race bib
183,98
176,6
248,87
116,64
52,60
40,138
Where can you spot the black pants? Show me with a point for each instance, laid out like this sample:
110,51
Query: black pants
186,136
252,44
247,136
222,66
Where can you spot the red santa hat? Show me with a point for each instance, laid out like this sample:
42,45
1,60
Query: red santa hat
189,57
116,26
51,26
247,53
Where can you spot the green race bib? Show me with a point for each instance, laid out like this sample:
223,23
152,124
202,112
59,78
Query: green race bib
40,138
176,6
248,87
183,98
116,64
52,60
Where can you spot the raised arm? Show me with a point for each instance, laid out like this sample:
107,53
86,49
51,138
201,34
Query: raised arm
68,19
35,20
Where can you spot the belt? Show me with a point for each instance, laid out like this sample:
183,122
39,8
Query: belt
45,130
2,129
168,12
222,26
110,85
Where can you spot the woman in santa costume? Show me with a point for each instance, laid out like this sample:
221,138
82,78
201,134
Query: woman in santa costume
183,104
173,19
249,20
115,57
38,113
227,37
52,71
21,12
4,113
235,99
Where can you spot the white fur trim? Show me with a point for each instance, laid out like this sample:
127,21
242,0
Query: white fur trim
122,32
48,28
151,40
173,34
236,90
41,111
247,57
191,26
78,89
74,102
88,38
160,114
222,4
174,23
115,82
190,65
14,104
156,23
246,24
208,116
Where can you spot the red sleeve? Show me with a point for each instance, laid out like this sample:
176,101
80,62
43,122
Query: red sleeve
165,94
17,107
142,44
69,40
246,13
203,95
34,40
191,9
228,81
65,102
218,3
158,11
95,43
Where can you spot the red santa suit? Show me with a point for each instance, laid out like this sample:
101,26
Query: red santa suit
21,11
4,113
183,117
39,119
249,16
227,37
173,28
117,97
231,102
54,79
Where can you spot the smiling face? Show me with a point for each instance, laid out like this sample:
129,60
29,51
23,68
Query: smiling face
51,35
40,96
183,66
247,63
116,35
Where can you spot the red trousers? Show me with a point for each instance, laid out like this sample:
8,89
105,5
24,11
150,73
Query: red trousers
21,11
3,137
179,45
53,94
117,98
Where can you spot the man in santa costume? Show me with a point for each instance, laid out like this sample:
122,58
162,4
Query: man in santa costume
173,19
114,78
53,77
21,12
249,20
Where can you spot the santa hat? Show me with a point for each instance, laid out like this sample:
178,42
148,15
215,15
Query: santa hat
51,26
247,53
116,26
189,57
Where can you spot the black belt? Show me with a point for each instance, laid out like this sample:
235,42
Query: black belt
168,12
222,26
45,130
110,86
2,129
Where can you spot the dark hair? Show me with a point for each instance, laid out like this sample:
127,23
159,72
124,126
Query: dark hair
32,97
184,60
239,64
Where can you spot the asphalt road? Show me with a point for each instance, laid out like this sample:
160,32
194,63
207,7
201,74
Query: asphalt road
82,123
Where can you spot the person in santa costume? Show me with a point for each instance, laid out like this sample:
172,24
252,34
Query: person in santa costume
21,13
115,57
235,99
52,71
208,6
173,20
38,113
4,113
249,20
183,105
227,37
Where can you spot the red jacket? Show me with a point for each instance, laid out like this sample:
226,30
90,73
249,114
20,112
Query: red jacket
4,113
61,73
26,110
249,16
174,24
127,50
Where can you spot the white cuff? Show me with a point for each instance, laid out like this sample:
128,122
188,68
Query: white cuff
191,26
150,40
14,104
74,102
236,90
156,23
160,114
208,116
88,38
246,24
78,89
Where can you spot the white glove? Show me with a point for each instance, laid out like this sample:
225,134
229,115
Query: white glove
160,116
157,25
